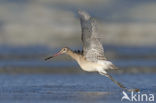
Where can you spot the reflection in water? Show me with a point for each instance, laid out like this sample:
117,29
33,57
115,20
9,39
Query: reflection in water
94,96
70,88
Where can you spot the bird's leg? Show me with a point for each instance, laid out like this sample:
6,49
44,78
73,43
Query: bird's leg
116,82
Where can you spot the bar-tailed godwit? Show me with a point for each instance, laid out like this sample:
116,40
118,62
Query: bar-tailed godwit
91,58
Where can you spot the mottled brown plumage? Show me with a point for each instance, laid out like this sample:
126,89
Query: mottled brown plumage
91,58
93,49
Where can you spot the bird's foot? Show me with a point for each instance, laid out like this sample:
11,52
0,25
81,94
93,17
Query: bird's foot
133,90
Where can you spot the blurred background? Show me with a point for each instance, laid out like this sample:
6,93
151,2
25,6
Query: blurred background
31,30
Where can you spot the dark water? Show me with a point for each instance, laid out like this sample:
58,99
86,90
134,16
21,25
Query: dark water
79,88
26,78
31,59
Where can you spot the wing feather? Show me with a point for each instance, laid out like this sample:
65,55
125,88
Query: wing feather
92,48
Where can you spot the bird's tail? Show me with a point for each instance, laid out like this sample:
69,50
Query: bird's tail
112,66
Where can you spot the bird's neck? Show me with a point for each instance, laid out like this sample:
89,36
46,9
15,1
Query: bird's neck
74,55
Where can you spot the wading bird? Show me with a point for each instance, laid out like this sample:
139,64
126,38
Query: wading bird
91,58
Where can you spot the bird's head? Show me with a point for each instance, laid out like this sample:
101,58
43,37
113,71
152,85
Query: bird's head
62,51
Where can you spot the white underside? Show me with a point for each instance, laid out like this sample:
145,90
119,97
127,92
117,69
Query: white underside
99,66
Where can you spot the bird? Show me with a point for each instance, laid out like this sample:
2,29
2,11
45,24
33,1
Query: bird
91,58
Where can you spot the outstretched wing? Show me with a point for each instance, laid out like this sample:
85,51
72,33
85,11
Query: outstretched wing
92,48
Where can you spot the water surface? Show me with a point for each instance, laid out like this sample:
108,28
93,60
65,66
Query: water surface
68,88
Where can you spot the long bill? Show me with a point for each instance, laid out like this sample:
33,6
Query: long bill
53,56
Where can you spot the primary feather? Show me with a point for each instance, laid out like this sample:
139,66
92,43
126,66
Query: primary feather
92,48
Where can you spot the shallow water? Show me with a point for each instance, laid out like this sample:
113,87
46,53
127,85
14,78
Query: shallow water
31,59
26,78
70,88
